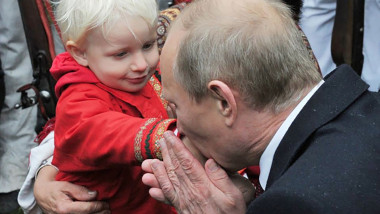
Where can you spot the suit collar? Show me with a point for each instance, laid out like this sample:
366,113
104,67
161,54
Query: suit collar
268,154
341,88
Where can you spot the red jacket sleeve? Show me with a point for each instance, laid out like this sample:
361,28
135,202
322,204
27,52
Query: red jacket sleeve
95,131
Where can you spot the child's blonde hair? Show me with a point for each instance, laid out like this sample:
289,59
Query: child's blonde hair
77,17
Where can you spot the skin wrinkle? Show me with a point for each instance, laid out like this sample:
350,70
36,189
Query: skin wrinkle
195,205
171,171
261,121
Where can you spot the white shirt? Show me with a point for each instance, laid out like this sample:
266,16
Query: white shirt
267,157
371,44
317,21
40,155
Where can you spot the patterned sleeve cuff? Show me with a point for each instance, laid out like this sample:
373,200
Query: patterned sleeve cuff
146,141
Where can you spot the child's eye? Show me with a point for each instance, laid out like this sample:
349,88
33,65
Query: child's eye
121,54
148,46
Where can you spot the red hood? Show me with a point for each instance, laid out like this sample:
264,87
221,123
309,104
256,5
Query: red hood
65,70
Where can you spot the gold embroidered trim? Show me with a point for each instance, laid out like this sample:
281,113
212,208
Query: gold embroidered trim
164,19
158,89
138,139
162,127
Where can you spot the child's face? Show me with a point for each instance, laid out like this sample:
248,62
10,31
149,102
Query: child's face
121,60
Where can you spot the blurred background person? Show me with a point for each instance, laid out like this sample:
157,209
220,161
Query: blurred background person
17,126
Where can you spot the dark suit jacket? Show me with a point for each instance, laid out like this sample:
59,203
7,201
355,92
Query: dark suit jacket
329,159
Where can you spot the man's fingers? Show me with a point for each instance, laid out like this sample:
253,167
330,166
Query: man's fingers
219,177
150,180
171,164
222,181
155,191
191,167
159,177
162,177
166,156
245,186
146,165
194,151
157,194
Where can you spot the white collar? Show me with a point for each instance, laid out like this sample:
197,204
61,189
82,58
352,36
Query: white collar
267,157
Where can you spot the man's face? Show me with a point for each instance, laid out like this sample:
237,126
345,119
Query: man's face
193,119
200,121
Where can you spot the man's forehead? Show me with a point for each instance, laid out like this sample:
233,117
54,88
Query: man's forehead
174,38
171,47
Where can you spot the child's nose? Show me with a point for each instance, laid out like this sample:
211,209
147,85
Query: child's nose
139,63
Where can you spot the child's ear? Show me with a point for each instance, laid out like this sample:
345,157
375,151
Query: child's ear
77,53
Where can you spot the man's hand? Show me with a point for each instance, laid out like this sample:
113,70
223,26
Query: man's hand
194,151
181,181
63,197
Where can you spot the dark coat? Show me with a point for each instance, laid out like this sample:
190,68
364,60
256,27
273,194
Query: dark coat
329,159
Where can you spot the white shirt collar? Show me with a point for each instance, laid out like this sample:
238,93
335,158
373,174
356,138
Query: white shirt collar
267,157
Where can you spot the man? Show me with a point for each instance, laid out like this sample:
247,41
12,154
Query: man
230,188
55,196
245,94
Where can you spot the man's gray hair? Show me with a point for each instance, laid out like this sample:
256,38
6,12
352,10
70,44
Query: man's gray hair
254,46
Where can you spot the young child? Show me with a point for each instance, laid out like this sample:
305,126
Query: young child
109,114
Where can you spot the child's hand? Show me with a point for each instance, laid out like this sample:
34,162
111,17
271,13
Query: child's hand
171,110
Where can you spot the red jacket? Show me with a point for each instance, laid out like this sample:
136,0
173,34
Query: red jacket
103,134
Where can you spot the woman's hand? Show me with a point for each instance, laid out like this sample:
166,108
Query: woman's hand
64,197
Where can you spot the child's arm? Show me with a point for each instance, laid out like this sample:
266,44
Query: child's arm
41,191
95,132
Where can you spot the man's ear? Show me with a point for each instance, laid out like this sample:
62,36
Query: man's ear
77,53
225,99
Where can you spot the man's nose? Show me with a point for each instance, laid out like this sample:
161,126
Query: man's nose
139,63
